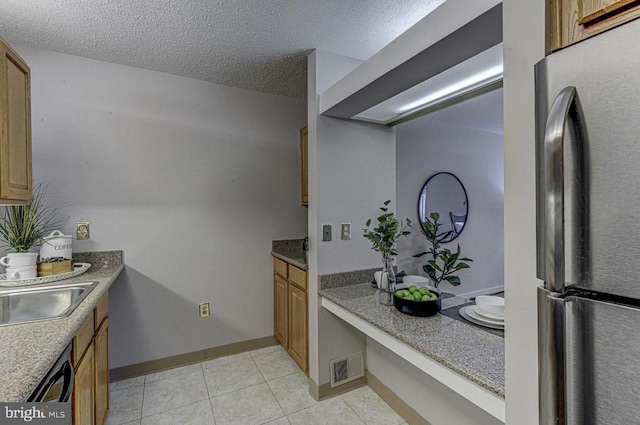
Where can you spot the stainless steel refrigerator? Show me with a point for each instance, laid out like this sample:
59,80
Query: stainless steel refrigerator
588,230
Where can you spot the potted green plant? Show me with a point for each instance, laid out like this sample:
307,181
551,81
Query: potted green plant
383,238
24,226
443,262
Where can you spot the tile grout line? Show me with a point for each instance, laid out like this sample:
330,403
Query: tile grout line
353,410
276,398
144,387
177,407
208,393
270,390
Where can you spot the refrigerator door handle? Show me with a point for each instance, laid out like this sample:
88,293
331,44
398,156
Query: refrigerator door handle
551,236
551,358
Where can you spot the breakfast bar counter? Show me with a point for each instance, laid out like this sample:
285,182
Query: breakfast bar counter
468,360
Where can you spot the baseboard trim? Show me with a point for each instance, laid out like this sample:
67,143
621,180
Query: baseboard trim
403,409
139,369
324,391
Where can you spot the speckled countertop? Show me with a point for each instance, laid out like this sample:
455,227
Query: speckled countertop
290,250
471,352
28,351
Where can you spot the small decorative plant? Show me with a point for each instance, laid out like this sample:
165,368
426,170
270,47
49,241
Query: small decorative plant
383,239
389,229
23,226
443,263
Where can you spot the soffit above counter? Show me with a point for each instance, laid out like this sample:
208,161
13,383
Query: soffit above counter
453,33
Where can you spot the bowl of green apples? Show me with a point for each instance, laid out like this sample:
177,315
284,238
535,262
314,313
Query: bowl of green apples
420,301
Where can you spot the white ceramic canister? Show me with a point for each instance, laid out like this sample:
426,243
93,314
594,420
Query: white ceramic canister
55,245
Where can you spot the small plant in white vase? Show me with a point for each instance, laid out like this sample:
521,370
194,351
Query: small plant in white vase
24,226
383,238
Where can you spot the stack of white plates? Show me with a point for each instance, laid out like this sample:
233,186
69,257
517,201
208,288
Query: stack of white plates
473,314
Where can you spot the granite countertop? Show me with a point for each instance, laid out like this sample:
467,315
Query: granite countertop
290,251
471,352
28,351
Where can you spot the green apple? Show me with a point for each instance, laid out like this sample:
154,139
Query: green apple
413,288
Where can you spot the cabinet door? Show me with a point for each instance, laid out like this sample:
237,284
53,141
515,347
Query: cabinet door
281,310
101,373
298,326
576,20
304,166
83,391
15,113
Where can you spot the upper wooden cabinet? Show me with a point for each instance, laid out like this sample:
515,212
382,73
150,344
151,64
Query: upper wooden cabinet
15,123
304,166
576,20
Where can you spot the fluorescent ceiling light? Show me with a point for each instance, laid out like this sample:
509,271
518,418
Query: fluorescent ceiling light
477,72
481,79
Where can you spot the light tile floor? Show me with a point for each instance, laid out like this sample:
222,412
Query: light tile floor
259,387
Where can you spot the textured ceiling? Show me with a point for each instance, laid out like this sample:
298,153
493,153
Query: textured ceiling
258,45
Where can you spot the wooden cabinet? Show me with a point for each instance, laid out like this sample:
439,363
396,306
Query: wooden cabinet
281,310
575,20
15,126
101,373
83,390
298,326
304,166
91,362
291,315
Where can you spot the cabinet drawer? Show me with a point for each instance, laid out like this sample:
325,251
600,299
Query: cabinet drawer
82,339
298,277
101,310
280,267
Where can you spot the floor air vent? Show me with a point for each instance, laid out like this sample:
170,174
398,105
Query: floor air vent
346,369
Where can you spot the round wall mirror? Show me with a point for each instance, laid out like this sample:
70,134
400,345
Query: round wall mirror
444,193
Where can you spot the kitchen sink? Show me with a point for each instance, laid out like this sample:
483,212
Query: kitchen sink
32,304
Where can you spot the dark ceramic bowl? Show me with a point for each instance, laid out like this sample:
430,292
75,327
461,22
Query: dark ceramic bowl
419,308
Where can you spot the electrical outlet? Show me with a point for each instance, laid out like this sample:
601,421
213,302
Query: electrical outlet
205,310
345,231
82,230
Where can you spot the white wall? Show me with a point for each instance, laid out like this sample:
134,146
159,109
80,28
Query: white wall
523,46
191,179
445,141
343,189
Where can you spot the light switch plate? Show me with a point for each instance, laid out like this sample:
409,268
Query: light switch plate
326,232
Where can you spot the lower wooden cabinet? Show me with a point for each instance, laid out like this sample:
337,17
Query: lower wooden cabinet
281,310
298,326
291,316
101,373
91,362
83,390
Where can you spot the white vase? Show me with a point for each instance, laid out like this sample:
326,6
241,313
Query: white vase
387,282
19,259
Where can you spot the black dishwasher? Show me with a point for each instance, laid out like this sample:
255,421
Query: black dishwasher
58,384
